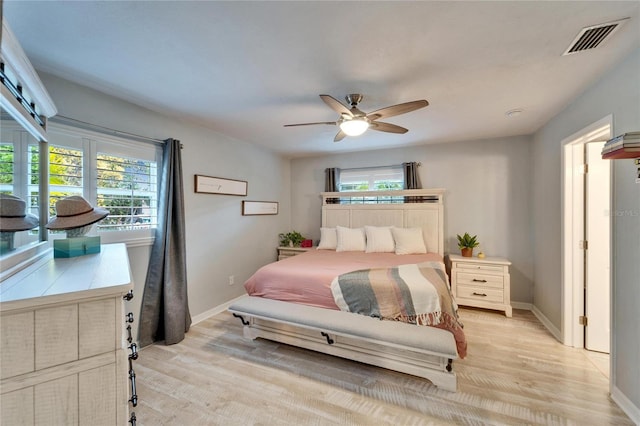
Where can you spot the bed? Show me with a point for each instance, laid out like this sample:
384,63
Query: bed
295,301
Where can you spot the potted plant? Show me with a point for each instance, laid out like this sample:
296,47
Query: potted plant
291,239
466,243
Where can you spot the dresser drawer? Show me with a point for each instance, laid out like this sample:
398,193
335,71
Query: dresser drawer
480,280
480,293
488,269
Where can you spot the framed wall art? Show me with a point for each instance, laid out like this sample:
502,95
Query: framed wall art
216,185
252,208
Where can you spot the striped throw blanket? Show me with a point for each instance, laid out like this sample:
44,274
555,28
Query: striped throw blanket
415,293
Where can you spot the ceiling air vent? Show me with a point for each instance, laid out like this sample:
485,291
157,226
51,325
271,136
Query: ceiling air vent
591,37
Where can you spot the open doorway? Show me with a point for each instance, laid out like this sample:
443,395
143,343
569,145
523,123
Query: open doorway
586,239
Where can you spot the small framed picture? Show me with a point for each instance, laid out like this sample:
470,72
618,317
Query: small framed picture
216,185
252,208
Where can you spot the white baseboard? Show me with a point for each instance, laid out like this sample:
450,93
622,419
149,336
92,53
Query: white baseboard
521,305
213,311
548,324
626,405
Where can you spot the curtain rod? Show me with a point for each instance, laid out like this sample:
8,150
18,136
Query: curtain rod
376,167
106,130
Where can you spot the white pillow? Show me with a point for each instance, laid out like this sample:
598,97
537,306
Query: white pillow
409,240
328,239
350,239
379,239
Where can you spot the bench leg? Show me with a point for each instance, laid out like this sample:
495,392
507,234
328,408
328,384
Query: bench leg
249,333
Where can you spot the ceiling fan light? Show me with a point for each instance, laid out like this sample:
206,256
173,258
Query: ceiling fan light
354,127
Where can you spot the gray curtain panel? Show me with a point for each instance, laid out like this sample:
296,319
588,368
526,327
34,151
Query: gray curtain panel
332,183
411,180
411,177
164,314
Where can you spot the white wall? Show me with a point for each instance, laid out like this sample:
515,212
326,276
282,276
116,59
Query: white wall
220,241
487,184
617,93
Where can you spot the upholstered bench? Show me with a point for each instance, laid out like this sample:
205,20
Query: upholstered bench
418,350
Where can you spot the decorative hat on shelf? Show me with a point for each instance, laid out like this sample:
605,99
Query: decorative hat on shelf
75,212
14,216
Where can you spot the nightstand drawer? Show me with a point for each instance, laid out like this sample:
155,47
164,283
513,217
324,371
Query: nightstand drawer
480,280
497,269
481,293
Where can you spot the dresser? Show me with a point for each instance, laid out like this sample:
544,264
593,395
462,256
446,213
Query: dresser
483,283
284,252
65,345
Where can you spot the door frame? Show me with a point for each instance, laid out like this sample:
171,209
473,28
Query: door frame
572,230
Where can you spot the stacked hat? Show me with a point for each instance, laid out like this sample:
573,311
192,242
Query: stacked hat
14,216
75,212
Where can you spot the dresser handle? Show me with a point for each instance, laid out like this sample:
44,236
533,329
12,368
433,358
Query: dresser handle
129,317
134,351
129,338
134,396
479,281
479,294
128,296
133,419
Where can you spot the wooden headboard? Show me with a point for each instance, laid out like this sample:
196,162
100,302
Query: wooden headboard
411,208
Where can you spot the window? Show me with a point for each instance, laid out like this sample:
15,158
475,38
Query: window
372,179
6,168
19,169
65,174
127,187
113,173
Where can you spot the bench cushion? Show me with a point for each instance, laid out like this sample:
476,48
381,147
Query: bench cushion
421,338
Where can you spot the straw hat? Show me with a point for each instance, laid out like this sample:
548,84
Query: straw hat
14,216
75,212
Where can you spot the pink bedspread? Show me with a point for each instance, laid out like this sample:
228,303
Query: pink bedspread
306,278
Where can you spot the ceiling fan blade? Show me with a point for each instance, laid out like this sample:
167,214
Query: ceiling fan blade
397,109
341,135
387,127
336,105
310,124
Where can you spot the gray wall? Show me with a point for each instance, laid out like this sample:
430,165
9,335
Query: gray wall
487,186
617,93
220,241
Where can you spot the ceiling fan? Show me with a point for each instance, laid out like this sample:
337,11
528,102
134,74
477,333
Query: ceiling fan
354,122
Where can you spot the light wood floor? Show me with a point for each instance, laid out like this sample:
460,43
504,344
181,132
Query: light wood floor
515,373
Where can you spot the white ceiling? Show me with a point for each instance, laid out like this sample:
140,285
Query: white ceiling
247,68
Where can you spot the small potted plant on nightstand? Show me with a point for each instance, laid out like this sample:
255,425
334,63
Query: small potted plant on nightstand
466,243
291,239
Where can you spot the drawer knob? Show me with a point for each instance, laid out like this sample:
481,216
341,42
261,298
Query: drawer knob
479,281
479,294
129,317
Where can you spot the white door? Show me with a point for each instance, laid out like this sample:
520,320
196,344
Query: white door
597,257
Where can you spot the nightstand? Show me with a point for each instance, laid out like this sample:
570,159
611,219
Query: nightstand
284,252
483,283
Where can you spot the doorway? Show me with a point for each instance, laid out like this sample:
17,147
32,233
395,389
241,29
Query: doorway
586,239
